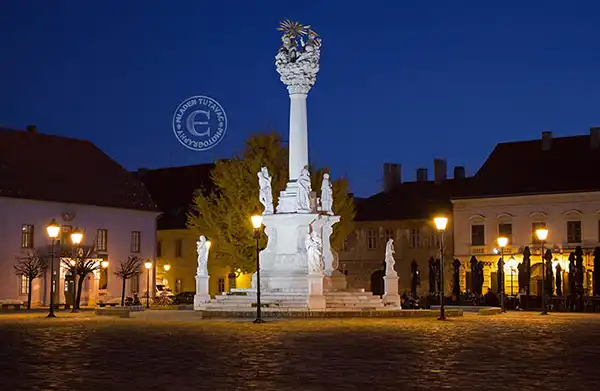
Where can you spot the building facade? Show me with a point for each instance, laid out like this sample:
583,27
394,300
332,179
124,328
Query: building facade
95,194
547,183
404,212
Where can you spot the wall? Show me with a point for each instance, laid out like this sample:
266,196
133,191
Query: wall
118,222
522,211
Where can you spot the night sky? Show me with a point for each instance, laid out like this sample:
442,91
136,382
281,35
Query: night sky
401,81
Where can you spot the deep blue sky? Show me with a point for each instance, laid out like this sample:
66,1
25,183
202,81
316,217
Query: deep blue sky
401,81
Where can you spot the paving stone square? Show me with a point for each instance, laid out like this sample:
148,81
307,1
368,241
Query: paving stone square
178,350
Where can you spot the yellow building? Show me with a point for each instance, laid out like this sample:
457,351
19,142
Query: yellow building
176,257
524,186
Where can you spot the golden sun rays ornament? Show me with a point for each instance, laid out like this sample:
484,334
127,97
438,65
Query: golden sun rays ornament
293,29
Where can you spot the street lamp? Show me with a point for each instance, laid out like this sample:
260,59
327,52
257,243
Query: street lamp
104,264
441,223
148,265
542,235
167,267
257,224
76,238
53,229
502,242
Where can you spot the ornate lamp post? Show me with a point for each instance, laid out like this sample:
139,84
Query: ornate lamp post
440,224
53,229
502,242
257,224
76,237
542,235
148,266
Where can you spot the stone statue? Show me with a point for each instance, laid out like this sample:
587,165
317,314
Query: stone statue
297,62
389,258
314,250
202,247
326,195
265,192
304,190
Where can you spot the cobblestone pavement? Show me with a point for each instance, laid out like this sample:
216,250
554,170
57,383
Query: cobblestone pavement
176,350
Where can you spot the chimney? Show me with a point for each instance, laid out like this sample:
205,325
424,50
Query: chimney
392,175
459,172
595,138
546,140
440,170
421,175
31,129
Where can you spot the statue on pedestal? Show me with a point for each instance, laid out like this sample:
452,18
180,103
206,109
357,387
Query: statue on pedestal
202,247
314,248
265,194
304,190
389,258
326,195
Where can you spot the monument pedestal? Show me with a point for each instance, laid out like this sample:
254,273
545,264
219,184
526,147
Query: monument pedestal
391,295
316,299
202,297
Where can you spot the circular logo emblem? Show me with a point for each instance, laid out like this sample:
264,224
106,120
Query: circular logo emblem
199,123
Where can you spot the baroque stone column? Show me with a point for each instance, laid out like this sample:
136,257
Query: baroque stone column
297,63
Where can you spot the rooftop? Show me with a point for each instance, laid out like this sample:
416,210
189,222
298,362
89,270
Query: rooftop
544,166
173,190
46,167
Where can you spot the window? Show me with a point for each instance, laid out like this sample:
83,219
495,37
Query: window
178,248
505,230
389,234
27,236
434,241
535,227
573,231
65,235
135,284
135,241
178,285
345,244
159,249
221,285
478,235
24,288
371,239
102,240
415,238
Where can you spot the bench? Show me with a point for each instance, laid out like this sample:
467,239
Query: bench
118,312
8,304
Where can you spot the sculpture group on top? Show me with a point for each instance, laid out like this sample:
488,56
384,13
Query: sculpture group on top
298,61
303,196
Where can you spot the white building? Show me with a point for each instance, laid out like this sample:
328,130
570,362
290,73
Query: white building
45,177
523,186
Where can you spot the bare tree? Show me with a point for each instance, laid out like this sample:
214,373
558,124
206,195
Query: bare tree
31,266
131,267
81,262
